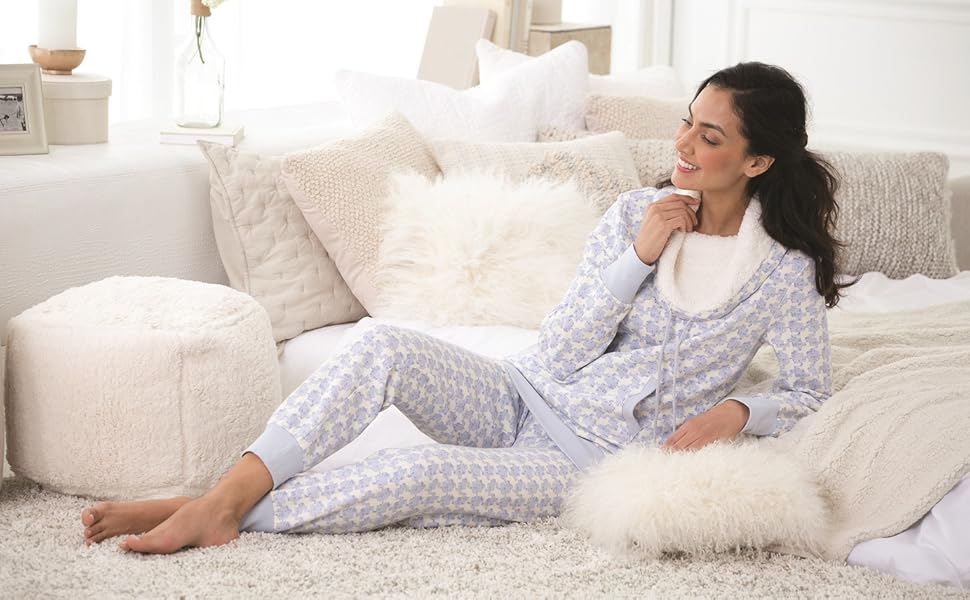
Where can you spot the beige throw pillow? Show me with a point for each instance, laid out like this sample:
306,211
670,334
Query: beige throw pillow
653,159
267,248
476,249
600,184
636,117
894,214
340,188
515,159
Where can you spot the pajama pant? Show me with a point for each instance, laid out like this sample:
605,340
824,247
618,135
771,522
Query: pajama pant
494,463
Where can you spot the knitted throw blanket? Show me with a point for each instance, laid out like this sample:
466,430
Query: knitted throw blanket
893,438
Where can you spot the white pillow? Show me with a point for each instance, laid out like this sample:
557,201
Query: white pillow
476,249
659,81
647,501
509,108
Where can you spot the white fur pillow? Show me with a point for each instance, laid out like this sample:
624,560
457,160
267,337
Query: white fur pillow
476,249
647,501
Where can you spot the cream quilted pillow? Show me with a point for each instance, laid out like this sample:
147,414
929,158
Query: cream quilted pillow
514,159
267,248
636,117
340,188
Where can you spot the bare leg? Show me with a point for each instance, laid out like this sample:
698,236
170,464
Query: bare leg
108,519
213,519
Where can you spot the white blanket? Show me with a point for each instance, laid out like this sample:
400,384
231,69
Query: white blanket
892,440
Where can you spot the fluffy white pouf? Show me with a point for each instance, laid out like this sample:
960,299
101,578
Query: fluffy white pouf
135,387
646,501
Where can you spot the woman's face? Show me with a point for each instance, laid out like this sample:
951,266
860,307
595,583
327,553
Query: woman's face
711,152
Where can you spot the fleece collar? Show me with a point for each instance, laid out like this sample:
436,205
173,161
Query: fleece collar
752,247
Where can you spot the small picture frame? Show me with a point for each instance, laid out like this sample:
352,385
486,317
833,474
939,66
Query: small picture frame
22,128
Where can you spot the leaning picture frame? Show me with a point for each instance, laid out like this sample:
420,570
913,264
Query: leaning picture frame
22,129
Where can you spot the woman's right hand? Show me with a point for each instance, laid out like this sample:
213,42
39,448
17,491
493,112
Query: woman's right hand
660,219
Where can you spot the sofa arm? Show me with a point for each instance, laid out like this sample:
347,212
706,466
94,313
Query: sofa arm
960,225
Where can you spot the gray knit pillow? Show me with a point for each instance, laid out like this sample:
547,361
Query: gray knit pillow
894,214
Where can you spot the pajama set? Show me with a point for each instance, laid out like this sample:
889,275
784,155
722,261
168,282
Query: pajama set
630,353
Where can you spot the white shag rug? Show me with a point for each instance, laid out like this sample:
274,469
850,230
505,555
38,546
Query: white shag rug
42,555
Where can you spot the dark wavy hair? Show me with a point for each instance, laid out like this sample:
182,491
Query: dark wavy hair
797,192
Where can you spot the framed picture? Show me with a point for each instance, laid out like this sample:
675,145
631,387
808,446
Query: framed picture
21,110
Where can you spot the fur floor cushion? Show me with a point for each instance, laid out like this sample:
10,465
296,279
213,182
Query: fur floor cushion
647,502
477,249
138,387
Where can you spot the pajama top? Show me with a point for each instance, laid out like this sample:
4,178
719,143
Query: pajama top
618,363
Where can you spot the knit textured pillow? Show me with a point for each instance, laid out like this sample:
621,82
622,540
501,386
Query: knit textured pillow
340,188
476,249
894,214
599,183
636,117
653,159
514,159
267,248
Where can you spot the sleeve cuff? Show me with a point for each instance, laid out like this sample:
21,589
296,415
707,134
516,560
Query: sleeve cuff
625,276
762,415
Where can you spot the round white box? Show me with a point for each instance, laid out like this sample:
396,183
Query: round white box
76,108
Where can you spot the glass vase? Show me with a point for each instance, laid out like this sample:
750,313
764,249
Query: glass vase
199,80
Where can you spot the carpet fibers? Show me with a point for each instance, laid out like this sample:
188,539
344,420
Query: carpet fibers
42,555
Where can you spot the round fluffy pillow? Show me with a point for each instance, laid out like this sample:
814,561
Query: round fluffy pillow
722,497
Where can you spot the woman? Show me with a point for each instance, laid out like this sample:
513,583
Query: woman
673,298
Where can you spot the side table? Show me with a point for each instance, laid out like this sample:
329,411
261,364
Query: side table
596,38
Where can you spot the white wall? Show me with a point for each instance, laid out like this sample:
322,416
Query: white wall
881,74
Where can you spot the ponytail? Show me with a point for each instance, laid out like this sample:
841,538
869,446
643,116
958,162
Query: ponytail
798,209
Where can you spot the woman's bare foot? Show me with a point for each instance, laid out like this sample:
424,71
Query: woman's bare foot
108,519
201,522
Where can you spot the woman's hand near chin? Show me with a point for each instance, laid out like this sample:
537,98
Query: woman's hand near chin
721,422
660,220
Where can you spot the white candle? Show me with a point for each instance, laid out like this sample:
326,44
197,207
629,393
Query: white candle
57,24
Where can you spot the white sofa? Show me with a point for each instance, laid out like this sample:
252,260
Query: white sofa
134,206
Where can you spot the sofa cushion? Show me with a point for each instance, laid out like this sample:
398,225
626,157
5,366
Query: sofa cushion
340,188
267,247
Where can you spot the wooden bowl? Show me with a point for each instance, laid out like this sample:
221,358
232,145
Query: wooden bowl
56,62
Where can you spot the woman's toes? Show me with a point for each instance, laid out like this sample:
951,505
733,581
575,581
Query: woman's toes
90,516
99,537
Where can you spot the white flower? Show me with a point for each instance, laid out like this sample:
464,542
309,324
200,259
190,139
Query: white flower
212,3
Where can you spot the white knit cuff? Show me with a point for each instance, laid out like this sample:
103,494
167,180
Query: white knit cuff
625,276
